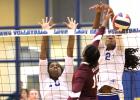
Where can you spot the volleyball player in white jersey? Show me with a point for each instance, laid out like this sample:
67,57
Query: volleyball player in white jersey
55,83
111,62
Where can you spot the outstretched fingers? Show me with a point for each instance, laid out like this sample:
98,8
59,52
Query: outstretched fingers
47,23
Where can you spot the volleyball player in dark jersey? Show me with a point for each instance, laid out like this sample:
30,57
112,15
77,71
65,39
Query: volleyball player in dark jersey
85,78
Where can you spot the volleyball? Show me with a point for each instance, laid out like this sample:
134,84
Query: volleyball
121,22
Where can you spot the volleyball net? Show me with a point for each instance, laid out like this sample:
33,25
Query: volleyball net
21,48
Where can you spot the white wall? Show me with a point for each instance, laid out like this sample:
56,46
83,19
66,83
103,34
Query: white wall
25,71
131,7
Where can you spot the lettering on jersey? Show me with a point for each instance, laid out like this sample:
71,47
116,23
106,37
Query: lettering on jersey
107,56
57,83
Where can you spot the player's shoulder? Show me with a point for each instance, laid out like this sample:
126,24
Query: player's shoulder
84,66
82,70
81,74
120,51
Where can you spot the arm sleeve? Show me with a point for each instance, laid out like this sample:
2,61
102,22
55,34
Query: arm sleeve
69,64
98,36
43,70
68,70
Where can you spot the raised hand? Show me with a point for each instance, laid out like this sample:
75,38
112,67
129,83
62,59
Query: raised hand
106,17
47,23
108,14
71,23
98,8
105,9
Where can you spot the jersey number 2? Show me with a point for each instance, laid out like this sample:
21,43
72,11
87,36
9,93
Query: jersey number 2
107,56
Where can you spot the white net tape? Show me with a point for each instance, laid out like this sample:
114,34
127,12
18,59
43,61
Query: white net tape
40,32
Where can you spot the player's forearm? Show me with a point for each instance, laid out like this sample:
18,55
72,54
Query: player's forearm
104,24
98,36
44,47
101,31
70,45
96,21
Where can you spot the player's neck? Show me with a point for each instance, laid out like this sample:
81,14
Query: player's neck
54,78
110,48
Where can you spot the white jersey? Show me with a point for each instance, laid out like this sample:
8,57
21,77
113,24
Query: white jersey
111,68
59,90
